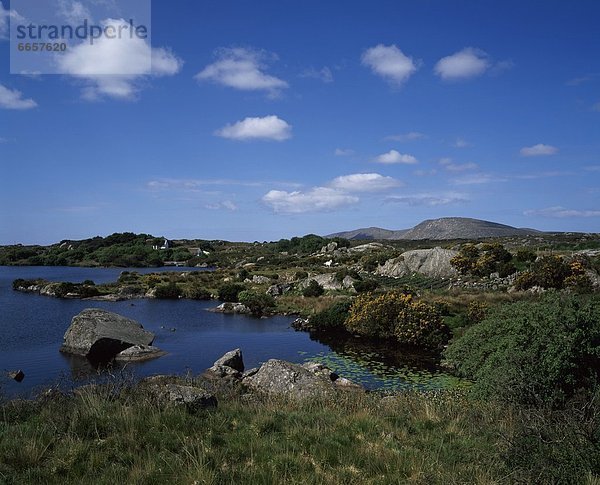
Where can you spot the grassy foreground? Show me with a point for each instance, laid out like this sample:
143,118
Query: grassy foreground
95,437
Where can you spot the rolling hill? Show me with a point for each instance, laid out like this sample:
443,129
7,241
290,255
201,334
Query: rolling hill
440,229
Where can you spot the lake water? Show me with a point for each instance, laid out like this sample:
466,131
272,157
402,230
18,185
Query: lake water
32,329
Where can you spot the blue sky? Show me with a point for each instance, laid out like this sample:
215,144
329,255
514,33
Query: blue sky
263,120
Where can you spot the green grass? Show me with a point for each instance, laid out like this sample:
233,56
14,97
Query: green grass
94,437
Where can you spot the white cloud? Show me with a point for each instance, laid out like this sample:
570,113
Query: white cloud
13,99
343,152
476,179
403,137
393,157
538,150
461,143
449,165
73,12
324,74
226,204
428,199
6,15
562,212
242,69
364,182
318,199
115,67
266,128
390,63
464,64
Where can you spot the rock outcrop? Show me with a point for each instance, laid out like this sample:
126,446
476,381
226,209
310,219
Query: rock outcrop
329,282
434,263
191,397
101,335
232,308
280,378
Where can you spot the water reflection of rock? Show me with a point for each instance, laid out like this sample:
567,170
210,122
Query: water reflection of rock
83,369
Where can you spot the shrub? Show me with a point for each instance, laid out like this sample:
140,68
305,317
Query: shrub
168,291
533,352
229,292
88,283
196,292
63,289
300,275
313,289
397,315
332,317
476,311
258,303
365,286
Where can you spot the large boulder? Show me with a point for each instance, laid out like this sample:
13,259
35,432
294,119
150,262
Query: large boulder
329,282
434,263
100,335
281,378
191,397
232,359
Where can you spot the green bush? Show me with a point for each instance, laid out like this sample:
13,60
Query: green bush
313,289
398,315
196,292
168,291
365,286
229,292
258,303
332,317
62,289
533,352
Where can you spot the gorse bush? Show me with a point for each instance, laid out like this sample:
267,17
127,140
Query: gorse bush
483,259
533,353
397,315
553,272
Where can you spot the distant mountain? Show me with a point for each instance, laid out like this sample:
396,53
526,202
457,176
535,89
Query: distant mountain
443,228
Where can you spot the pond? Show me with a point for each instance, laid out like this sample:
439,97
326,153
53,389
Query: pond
32,329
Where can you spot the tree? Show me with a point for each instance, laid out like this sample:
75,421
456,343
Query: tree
313,289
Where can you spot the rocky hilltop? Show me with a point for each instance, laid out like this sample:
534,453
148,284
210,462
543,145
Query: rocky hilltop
440,229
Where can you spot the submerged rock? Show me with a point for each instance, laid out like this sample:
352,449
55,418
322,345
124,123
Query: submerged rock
17,375
100,336
139,353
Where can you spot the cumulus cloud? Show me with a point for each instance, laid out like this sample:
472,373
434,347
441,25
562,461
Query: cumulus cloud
343,152
115,67
394,157
73,11
404,137
266,128
364,182
390,63
318,199
324,74
449,165
464,64
242,69
559,212
538,150
13,99
427,199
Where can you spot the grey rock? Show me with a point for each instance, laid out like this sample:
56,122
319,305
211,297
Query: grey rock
320,370
224,371
347,384
138,353
190,397
260,280
279,289
250,372
232,308
280,378
232,359
17,375
99,334
329,282
434,263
